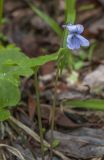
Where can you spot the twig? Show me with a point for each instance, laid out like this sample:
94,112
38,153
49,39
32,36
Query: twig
36,137
4,157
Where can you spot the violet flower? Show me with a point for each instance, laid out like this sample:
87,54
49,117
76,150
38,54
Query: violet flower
74,39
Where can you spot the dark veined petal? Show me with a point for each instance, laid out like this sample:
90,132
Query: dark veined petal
73,42
83,41
74,28
69,41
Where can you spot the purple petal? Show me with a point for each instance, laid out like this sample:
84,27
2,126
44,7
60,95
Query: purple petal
73,42
83,41
74,28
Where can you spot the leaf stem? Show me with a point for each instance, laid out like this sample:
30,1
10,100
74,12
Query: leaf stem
39,113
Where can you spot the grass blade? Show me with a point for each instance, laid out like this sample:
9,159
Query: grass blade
46,18
94,104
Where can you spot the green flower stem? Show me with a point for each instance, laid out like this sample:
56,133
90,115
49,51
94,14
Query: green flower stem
70,16
52,114
1,10
39,114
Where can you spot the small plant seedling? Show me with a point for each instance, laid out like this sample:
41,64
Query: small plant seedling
55,143
13,65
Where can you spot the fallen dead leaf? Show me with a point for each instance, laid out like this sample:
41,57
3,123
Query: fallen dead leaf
95,79
80,146
31,107
60,118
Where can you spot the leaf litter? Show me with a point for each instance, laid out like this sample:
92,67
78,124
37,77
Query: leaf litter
80,131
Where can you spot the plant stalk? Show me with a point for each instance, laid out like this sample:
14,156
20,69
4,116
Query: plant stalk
70,16
39,114
1,10
52,114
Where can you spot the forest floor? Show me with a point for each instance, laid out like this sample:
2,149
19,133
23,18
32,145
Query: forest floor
79,132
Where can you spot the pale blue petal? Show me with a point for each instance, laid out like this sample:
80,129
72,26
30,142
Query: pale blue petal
69,41
83,41
75,28
71,28
73,42
80,28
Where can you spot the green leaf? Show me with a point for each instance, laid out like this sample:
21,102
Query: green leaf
9,94
47,19
41,60
78,65
4,115
11,78
55,143
94,104
12,56
13,63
